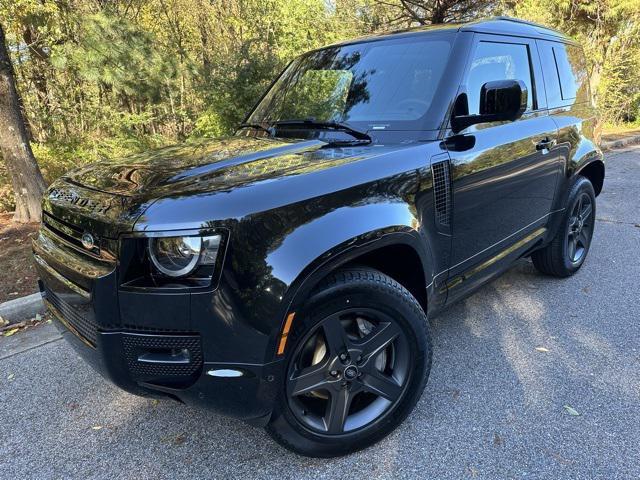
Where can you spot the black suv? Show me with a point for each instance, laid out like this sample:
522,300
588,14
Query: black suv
284,275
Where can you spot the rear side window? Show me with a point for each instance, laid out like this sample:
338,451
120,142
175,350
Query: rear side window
565,74
498,61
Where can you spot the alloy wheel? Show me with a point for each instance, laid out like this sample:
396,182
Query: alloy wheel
580,228
348,371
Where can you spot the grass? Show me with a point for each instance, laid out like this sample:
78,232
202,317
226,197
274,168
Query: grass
615,132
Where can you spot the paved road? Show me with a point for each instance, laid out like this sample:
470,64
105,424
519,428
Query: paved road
493,407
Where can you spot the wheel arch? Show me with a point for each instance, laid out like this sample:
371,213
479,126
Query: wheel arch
594,171
399,261
399,252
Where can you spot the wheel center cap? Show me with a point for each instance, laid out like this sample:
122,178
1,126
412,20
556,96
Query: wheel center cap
350,372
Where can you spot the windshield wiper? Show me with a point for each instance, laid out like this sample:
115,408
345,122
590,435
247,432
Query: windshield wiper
310,123
256,126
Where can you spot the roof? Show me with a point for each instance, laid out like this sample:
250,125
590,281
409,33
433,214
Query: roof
496,25
512,26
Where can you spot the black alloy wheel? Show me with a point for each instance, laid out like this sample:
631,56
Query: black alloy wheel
580,228
357,360
348,371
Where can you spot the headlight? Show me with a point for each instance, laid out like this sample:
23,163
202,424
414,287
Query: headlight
180,256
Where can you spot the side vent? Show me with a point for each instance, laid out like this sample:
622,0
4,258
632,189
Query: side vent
442,192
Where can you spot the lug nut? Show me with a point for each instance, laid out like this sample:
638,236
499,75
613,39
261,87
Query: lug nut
334,373
343,357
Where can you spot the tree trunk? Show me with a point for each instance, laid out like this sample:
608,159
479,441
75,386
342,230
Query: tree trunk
27,181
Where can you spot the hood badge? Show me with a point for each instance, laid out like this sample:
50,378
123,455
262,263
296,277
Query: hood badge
88,241
71,197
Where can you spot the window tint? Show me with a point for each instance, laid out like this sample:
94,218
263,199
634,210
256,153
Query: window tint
550,74
565,74
498,61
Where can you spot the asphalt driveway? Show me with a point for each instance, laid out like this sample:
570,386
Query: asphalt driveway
513,365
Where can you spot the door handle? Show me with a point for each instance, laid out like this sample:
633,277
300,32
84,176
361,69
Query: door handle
545,144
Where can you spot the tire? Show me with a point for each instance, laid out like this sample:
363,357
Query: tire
361,340
562,257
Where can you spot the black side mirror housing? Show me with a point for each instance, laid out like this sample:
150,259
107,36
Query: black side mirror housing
500,100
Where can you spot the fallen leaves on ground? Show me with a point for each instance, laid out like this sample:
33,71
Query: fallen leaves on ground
16,259
571,411
10,332
178,439
472,471
542,349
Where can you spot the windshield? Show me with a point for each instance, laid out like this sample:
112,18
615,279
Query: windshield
385,84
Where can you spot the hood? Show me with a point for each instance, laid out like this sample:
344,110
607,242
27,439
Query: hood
180,187
167,169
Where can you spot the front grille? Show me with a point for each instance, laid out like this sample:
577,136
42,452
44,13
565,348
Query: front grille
79,317
442,192
132,328
163,372
69,233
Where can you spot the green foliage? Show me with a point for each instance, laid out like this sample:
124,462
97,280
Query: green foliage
609,31
117,55
209,124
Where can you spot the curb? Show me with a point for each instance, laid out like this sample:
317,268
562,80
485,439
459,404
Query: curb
22,308
622,142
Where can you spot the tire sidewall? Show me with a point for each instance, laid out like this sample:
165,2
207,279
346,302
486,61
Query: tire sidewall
330,300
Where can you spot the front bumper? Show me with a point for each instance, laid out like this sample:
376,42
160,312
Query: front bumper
148,344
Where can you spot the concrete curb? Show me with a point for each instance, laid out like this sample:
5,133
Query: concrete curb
22,308
622,142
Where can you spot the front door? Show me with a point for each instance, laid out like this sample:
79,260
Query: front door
504,174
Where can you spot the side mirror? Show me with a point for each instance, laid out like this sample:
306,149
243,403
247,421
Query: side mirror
500,100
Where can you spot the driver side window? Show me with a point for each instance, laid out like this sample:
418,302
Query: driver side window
498,61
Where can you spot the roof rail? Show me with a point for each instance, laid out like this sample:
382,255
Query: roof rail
518,20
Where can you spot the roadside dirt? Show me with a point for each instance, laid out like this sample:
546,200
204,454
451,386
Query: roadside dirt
17,272
612,136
